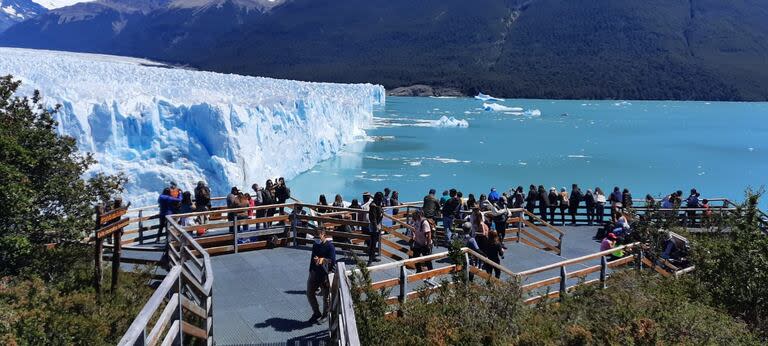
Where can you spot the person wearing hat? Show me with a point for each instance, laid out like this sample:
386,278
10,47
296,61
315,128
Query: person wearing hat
232,202
554,200
493,196
564,201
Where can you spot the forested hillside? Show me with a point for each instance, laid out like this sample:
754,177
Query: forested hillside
654,49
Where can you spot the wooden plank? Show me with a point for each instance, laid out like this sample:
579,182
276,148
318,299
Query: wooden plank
391,255
193,308
583,272
542,232
192,330
112,215
536,299
395,246
481,273
541,283
658,269
620,262
271,219
385,283
173,332
399,235
431,273
111,228
551,247
163,320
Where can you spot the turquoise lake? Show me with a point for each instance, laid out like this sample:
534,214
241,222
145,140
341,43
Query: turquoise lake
651,147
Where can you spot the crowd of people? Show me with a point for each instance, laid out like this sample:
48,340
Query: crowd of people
478,223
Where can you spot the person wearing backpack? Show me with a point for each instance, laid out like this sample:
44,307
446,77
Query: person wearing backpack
375,216
268,198
258,200
500,215
421,240
282,194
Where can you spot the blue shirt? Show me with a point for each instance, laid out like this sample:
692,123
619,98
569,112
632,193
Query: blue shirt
325,250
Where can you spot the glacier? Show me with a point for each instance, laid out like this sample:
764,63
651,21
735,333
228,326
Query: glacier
158,124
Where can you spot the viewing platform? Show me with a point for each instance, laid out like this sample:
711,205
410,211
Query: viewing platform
249,287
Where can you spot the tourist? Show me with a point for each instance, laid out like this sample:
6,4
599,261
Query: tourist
395,201
500,215
251,204
600,204
232,203
338,202
650,202
322,263
493,251
202,201
258,200
421,241
446,196
375,216
243,203
282,193
530,201
386,197
543,203
518,199
563,201
692,202
573,202
462,204
430,206
589,203
493,196
165,202
553,200
186,207
626,198
175,193
471,202
615,198
449,211
268,198
608,242
707,210
355,204
322,201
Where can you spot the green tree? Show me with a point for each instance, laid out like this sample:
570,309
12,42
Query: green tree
43,198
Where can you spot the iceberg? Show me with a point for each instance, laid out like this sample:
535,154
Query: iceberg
484,97
495,107
158,124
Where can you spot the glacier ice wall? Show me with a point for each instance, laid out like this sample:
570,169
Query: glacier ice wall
158,124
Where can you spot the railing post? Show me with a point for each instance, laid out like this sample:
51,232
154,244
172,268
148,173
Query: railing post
294,221
403,285
234,238
603,271
563,283
560,245
466,267
141,228
639,260
180,308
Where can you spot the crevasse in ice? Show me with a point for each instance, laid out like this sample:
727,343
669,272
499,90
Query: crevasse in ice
158,124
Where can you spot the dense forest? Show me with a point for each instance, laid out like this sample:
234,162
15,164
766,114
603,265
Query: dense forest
619,49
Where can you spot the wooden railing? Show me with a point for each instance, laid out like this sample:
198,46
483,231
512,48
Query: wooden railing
535,291
341,322
185,296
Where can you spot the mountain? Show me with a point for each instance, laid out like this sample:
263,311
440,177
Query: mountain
51,4
622,49
15,11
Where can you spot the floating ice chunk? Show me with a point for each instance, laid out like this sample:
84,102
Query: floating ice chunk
424,175
579,156
414,163
450,122
495,107
484,97
622,103
533,113
751,149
